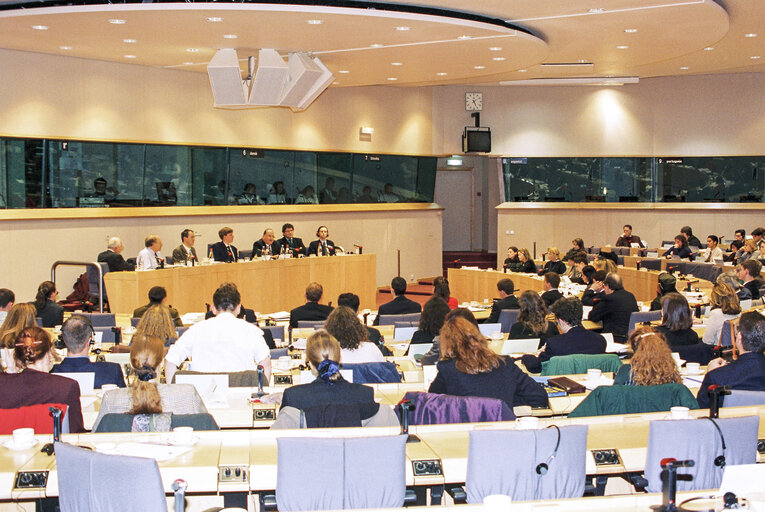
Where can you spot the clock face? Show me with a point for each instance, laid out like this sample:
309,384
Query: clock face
473,101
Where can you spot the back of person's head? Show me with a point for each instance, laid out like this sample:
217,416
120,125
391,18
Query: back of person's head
569,310
6,297
599,275
43,293
724,297
349,300
675,312
157,321
686,230
752,328
580,257
77,332
652,363
462,341
32,344
606,264
322,351
146,354
553,279
157,294
462,313
150,240
730,278
398,285
752,266
533,311
224,231
667,283
680,239
589,271
345,326
506,285
313,292
114,243
19,318
433,315
441,287
226,297
613,281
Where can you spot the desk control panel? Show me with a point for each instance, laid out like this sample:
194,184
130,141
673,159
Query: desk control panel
283,380
608,457
427,467
30,480
761,446
233,474
263,414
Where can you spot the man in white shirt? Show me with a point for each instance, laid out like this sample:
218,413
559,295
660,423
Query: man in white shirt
150,257
223,343
713,252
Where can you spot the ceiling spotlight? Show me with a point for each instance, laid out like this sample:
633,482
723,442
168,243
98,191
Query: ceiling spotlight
213,19
522,70
441,74
192,50
684,68
64,47
39,27
230,36
495,49
129,56
188,63
752,34
129,41
630,30
596,10
498,58
115,21
396,63
375,45
343,71
622,47
314,22
463,38
479,67
402,29
709,48
754,57
335,83
392,78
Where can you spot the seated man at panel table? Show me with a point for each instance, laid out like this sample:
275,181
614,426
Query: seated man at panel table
77,332
288,242
150,258
7,298
158,296
185,252
351,300
223,250
400,305
749,273
574,340
551,294
113,258
748,371
627,238
311,310
614,308
265,246
506,300
223,343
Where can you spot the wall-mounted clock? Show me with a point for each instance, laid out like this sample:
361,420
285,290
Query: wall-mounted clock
474,101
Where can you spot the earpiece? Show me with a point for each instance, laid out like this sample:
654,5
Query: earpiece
719,461
543,467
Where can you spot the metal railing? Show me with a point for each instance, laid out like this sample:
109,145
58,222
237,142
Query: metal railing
85,264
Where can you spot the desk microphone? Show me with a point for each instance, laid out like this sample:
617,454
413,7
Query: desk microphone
179,490
669,483
716,392
404,407
261,373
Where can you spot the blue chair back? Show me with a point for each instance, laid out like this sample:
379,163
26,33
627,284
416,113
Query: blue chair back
316,324
107,334
637,317
101,319
374,373
434,409
740,397
134,321
726,334
507,317
392,319
277,331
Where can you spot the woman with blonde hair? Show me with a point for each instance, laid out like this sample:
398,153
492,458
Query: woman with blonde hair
553,263
19,318
724,306
746,252
652,362
605,264
345,326
144,395
527,265
468,367
157,321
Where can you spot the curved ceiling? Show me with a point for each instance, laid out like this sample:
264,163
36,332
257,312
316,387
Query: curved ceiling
642,38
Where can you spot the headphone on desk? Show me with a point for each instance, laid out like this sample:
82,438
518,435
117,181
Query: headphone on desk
543,467
720,459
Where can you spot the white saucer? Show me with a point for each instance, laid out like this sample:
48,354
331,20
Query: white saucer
686,371
194,440
17,447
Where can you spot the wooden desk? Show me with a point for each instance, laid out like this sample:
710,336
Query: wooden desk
264,285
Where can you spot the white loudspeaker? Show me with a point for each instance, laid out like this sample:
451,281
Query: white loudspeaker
226,79
303,72
269,80
321,82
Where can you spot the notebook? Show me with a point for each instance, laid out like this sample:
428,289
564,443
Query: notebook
85,379
528,346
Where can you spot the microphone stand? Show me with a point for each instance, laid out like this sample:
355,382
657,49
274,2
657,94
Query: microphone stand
404,407
669,478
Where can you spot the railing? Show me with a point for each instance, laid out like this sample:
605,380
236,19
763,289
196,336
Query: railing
85,264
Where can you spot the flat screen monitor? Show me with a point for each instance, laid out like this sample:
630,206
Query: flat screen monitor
476,141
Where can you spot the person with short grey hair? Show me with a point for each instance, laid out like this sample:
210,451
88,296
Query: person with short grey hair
112,256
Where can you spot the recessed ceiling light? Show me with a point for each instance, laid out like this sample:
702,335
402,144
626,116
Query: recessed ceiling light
497,58
463,38
314,22
495,49
684,67
188,63
441,74
522,70
343,71
129,56
392,78
709,48
129,41
596,10
479,67
64,47
115,21
230,36
396,63
402,29
40,27
213,19
622,47
754,57
375,45
630,30
752,34
335,83
192,50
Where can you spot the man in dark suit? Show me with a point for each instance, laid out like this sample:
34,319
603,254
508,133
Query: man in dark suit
400,305
692,240
186,251
574,340
748,371
749,272
507,300
77,332
158,297
351,300
614,308
323,246
551,294
627,238
265,245
290,243
223,250
112,257
311,310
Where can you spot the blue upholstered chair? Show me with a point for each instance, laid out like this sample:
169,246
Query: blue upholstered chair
392,319
507,317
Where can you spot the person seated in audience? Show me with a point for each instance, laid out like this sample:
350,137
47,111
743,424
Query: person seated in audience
307,196
186,251
652,363
724,306
712,252
387,195
433,355
577,247
324,356
574,339
278,195
266,246
50,313
594,290
748,371
345,326
328,194
627,238
468,367
746,252
749,274
400,305
761,251
290,243
730,277
506,300
224,343
532,320
551,293
512,263
77,332
158,296
250,195
311,310
157,321
7,299
527,263
441,289
757,234
614,308
553,263
431,320
351,300
676,322
33,384
145,395
366,195
112,256
739,237
19,318
223,250
604,262
679,249
667,284
586,276
691,240
149,257
323,246
578,262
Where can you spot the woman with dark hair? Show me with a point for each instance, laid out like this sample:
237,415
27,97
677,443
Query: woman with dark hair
512,263
527,263
431,320
667,284
468,367
52,314
144,395
33,384
680,248
345,326
532,320
19,318
434,354
441,289
676,322
577,246
651,364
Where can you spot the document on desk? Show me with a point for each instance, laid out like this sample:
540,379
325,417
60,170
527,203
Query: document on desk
158,452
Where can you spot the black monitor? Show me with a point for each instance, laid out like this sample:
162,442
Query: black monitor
476,140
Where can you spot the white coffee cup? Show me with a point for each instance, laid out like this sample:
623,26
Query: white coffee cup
594,374
693,367
679,413
283,363
497,335
23,436
497,502
108,387
183,435
527,423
